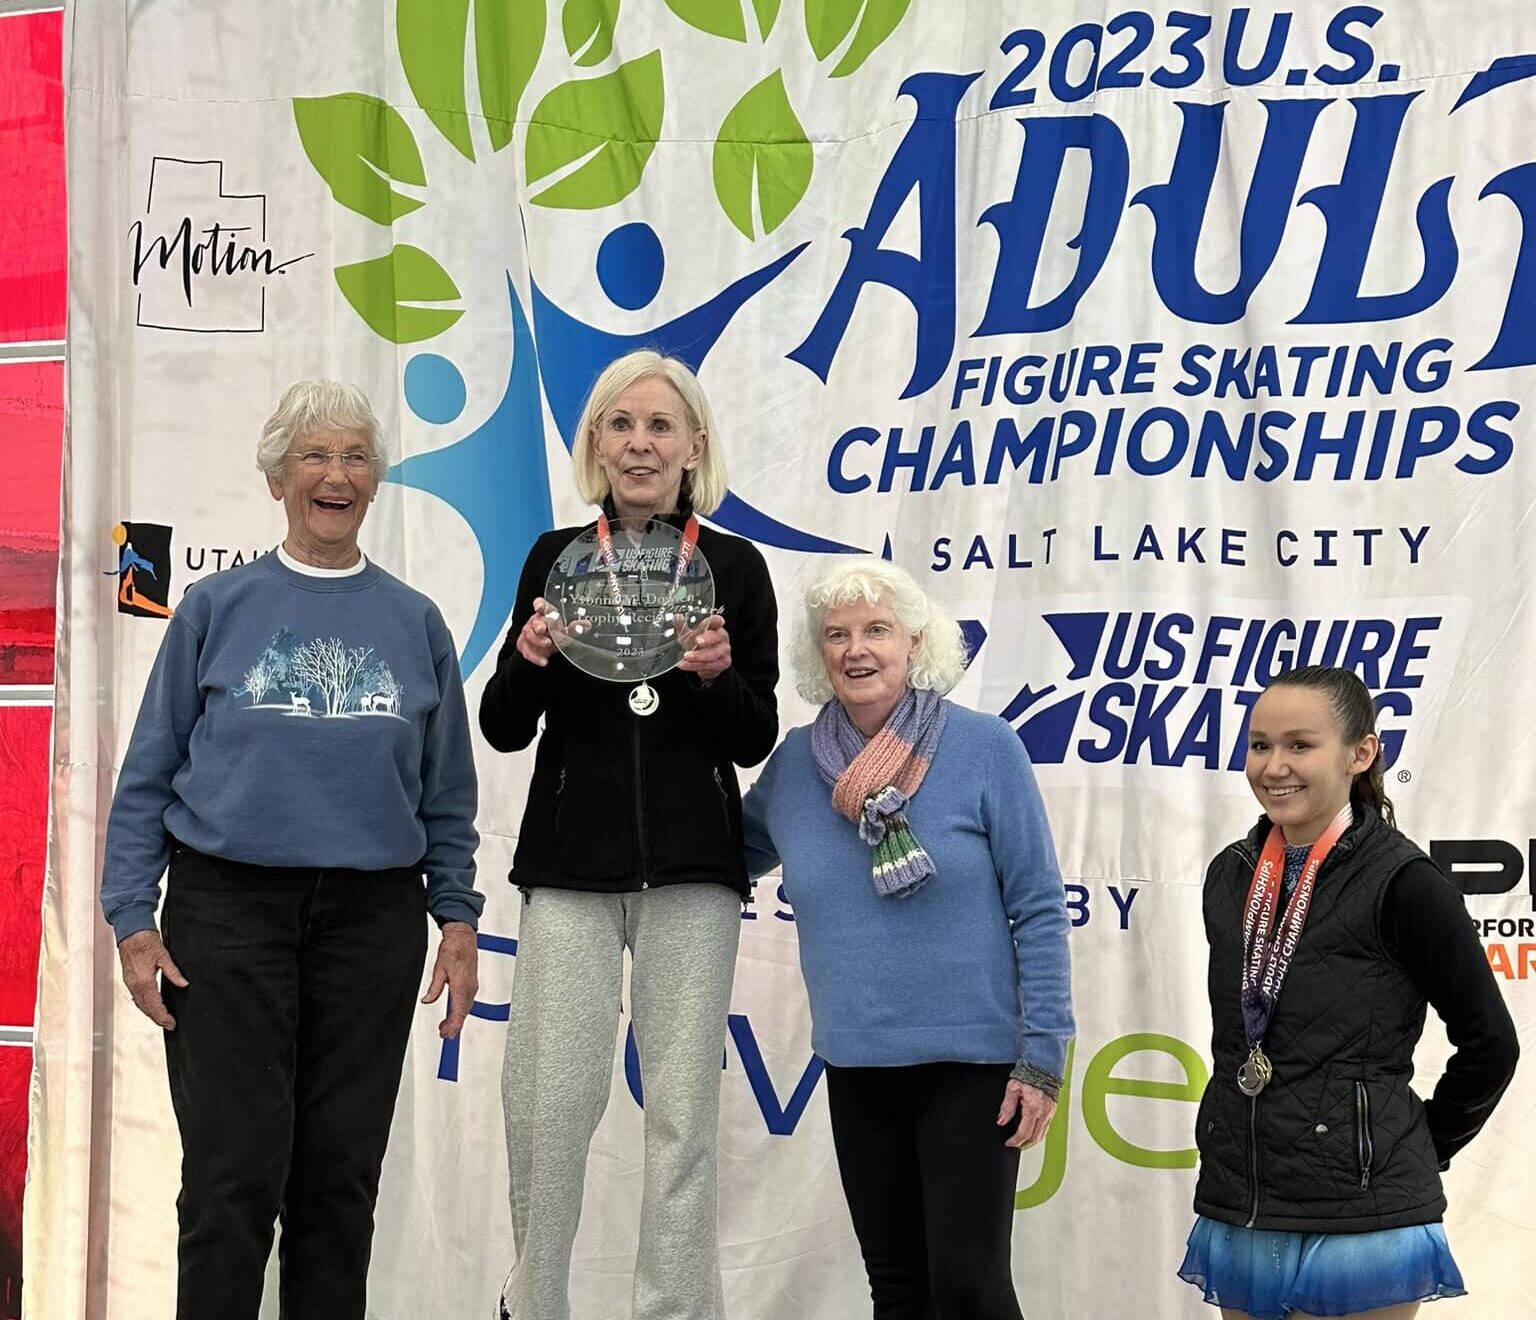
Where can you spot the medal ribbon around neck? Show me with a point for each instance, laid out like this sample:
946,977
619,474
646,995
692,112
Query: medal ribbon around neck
643,699
610,559
1267,948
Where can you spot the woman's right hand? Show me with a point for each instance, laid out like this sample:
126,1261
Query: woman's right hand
143,955
534,643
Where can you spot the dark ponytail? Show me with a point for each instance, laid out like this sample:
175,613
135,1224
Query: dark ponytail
1356,714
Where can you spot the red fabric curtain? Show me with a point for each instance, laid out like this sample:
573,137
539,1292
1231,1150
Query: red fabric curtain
32,222
31,430
33,298
24,740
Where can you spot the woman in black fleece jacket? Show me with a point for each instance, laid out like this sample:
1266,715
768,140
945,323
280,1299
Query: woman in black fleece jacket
631,838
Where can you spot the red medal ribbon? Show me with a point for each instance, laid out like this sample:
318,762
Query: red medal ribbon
1267,948
610,559
686,549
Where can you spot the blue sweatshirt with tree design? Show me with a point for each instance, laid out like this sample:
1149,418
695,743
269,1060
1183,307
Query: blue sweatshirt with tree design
298,721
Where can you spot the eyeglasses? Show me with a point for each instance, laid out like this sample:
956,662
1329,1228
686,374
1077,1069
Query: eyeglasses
318,460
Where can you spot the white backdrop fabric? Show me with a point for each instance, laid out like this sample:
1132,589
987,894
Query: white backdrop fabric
1167,347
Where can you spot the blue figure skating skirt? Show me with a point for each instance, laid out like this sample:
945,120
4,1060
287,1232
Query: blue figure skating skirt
1270,1274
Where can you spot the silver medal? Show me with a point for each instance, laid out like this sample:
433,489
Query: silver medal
1254,1074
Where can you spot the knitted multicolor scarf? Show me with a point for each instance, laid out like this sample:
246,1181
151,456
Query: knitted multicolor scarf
873,781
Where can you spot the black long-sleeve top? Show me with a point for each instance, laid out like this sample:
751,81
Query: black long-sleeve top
1425,928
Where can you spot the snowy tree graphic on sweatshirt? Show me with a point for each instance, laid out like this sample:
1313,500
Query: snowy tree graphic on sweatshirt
322,677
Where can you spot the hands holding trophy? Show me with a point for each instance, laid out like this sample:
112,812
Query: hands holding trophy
629,599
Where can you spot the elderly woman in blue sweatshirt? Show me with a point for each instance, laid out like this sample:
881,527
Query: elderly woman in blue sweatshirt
302,762
933,939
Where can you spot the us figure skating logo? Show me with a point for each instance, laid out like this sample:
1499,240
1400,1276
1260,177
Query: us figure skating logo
1174,688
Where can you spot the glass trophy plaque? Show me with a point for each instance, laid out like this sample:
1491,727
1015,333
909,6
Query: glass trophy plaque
625,600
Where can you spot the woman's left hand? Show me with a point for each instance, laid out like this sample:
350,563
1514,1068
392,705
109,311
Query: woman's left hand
457,967
1034,1108
710,654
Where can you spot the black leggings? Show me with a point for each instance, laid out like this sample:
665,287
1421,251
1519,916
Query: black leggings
930,1186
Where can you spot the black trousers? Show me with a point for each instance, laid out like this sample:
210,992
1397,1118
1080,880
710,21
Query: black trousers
284,1066
930,1186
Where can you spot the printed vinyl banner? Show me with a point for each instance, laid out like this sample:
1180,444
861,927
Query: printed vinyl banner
1170,347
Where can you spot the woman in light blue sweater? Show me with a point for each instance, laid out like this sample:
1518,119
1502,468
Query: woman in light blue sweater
933,939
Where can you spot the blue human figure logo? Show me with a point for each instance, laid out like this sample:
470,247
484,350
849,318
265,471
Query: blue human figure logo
630,265
130,559
497,476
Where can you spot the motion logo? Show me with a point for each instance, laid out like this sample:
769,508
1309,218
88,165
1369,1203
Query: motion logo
201,260
1172,688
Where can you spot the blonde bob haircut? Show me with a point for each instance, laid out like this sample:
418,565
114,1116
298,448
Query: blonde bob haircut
703,486
307,409
939,659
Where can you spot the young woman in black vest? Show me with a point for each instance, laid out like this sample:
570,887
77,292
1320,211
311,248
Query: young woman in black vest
1319,1191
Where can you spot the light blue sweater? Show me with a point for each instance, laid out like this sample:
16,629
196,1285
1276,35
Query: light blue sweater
971,968
298,721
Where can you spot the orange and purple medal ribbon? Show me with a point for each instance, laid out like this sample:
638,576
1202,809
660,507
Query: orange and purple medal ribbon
1268,947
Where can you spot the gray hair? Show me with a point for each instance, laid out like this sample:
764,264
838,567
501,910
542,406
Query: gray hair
938,662
311,406
704,485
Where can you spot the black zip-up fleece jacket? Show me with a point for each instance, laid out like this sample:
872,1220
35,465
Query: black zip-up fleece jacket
621,801
1338,1142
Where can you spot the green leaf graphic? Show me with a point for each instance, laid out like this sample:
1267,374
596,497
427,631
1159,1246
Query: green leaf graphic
767,15
358,143
828,23
725,18
431,35
509,38
610,124
763,149
881,18
720,18
381,290
588,29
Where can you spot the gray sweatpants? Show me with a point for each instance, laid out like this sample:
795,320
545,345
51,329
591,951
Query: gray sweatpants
558,1070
